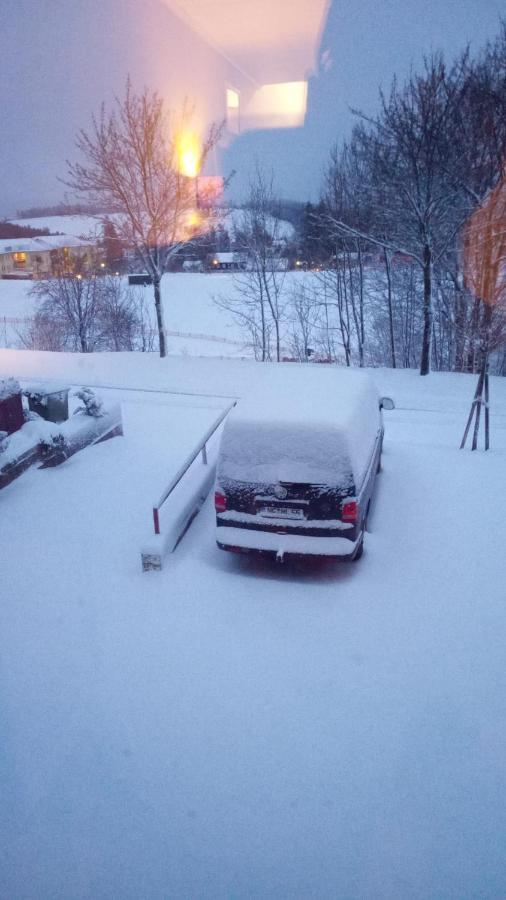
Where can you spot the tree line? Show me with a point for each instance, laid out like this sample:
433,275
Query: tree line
399,193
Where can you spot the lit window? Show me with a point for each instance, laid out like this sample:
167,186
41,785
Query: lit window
19,260
233,107
278,105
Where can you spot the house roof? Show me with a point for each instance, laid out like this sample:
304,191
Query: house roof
225,257
41,244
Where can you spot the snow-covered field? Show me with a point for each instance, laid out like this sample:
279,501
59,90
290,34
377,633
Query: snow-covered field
229,728
196,326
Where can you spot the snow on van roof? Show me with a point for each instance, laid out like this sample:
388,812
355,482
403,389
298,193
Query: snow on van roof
321,397
311,425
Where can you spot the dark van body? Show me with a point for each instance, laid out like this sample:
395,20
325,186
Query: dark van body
298,479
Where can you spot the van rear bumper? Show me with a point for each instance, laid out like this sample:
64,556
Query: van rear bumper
285,544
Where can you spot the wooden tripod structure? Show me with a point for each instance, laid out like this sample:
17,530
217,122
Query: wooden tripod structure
481,398
485,276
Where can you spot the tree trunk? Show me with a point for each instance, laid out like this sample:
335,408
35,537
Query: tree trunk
390,310
264,337
361,299
159,315
278,342
460,328
345,335
427,311
356,321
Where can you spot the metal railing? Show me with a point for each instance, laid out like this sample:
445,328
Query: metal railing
200,448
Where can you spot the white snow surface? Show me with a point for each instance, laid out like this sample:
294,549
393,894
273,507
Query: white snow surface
78,226
232,728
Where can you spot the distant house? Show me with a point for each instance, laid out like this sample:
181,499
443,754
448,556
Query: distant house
226,262
42,257
193,265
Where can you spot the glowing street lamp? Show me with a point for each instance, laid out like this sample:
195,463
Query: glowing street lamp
189,154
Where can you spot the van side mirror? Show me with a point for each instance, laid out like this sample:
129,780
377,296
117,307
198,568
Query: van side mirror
387,403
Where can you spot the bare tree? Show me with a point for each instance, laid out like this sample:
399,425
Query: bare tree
304,315
87,313
417,209
258,301
131,164
119,315
262,247
72,303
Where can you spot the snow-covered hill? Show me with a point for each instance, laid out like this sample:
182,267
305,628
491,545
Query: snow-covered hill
77,226
90,226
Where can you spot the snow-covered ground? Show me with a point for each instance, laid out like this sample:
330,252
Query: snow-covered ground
196,325
229,728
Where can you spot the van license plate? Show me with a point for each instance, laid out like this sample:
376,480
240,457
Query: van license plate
283,512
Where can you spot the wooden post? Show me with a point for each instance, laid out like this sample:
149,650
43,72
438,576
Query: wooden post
476,401
156,520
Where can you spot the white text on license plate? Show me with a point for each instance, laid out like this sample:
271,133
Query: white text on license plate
283,512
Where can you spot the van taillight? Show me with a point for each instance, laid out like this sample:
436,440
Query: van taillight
220,502
349,512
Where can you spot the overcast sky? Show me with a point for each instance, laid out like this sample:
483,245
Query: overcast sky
60,58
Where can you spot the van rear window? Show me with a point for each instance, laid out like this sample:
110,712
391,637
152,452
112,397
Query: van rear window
268,454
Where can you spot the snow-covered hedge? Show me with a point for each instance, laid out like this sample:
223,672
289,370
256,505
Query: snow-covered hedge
9,387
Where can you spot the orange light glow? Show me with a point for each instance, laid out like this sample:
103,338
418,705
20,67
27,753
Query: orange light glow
194,219
485,248
188,153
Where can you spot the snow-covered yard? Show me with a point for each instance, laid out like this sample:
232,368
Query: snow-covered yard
229,728
195,323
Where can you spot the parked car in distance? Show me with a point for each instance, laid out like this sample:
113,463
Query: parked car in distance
297,466
140,278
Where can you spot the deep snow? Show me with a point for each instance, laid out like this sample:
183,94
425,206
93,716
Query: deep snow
229,728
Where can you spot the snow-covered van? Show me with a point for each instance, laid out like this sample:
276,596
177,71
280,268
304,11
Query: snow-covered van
297,465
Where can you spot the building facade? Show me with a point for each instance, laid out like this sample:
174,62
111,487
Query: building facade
43,257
